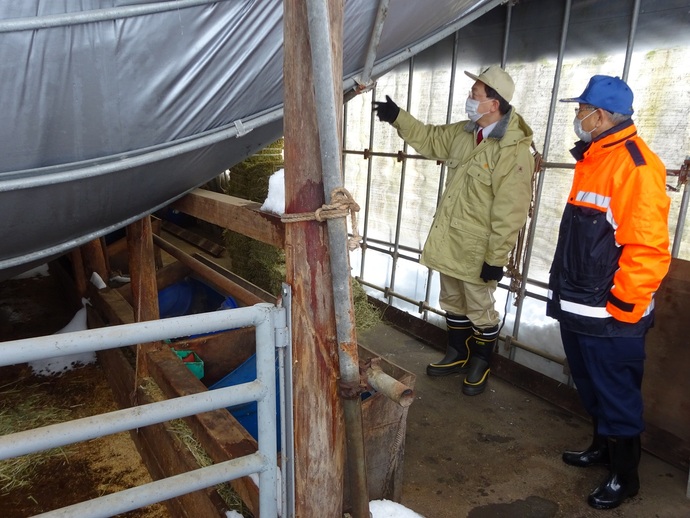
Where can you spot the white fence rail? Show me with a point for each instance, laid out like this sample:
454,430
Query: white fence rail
270,323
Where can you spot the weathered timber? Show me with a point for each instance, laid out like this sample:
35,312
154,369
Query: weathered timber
235,214
221,436
93,257
142,273
166,276
221,352
242,295
80,280
319,441
252,288
193,238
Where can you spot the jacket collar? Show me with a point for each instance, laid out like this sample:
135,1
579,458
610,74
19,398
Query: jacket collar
617,135
499,130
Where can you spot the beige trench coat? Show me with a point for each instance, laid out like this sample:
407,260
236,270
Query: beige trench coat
487,193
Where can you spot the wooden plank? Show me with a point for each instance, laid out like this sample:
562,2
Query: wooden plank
319,439
193,238
243,296
142,271
221,352
666,384
93,256
243,283
166,276
221,436
235,214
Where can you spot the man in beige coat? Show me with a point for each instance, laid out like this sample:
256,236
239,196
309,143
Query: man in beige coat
484,206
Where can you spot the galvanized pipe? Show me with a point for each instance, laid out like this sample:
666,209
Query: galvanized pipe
682,212
401,190
77,170
389,386
631,39
96,15
87,428
540,183
384,66
329,140
381,13
31,349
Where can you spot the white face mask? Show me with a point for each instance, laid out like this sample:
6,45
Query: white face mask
471,107
585,136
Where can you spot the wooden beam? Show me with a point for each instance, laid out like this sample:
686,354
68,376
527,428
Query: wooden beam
93,256
218,432
142,273
193,238
242,295
319,437
235,214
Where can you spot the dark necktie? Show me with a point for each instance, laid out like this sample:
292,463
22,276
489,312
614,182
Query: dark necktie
480,137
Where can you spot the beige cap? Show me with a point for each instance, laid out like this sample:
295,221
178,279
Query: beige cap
498,79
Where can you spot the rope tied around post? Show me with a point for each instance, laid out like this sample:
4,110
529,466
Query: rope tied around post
342,204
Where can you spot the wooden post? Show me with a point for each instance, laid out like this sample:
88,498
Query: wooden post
318,416
143,282
80,279
93,255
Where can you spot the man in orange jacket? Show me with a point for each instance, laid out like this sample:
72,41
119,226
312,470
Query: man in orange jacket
612,254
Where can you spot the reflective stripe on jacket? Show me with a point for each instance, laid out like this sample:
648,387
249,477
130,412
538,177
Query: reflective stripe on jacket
613,244
487,193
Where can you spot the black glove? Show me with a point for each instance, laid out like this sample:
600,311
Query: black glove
388,111
491,273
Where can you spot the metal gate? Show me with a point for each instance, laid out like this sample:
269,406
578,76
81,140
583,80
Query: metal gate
272,333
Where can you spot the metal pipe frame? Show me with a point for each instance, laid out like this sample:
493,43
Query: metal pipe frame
365,79
386,65
329,140
401,190
268,320
96,15
540,183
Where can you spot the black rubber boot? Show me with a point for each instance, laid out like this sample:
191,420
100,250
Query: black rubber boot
457,351
623,480
481,346
597,454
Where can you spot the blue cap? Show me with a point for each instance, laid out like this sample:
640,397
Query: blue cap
607,92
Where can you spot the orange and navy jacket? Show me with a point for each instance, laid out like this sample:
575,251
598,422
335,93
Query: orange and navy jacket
613,245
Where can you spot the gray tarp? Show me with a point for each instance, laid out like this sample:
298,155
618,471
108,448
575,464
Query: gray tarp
113,109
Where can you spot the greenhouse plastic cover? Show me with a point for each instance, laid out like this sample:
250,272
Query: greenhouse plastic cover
114,109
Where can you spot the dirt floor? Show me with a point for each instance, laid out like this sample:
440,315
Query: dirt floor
33,307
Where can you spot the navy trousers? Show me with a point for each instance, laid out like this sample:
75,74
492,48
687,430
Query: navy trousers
607,372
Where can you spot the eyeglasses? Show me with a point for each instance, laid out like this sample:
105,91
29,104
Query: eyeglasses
585,109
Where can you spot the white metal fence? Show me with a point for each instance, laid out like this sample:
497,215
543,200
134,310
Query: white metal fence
272,332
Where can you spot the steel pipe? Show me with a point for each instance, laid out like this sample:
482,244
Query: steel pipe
389,386
329,139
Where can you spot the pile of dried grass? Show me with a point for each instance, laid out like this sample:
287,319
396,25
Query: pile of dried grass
23,409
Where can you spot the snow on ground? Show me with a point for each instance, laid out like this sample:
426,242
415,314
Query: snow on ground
377,508
61,364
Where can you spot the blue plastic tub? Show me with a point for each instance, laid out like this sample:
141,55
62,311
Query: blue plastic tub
246,414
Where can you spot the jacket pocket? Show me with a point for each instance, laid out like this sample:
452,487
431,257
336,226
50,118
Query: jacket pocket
470,242
479,174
